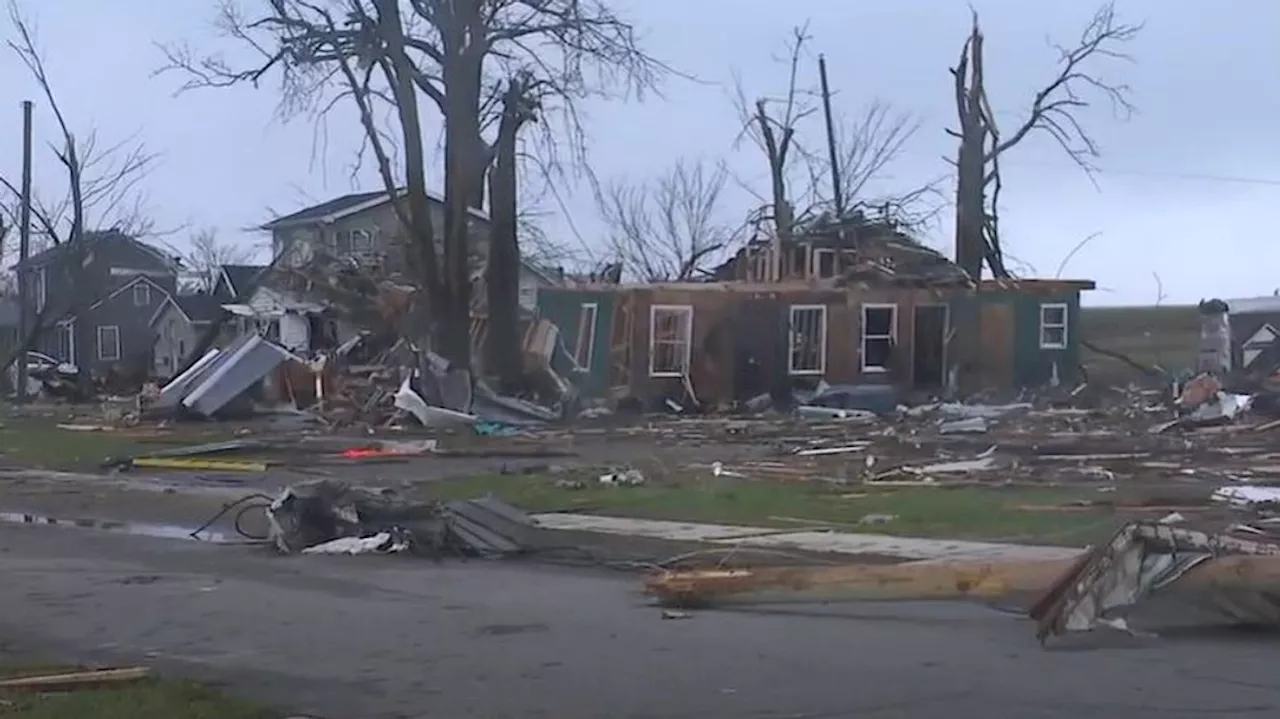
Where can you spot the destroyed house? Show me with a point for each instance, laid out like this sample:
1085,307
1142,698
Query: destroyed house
364,229
871,322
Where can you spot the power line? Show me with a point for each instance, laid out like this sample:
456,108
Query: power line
1192,176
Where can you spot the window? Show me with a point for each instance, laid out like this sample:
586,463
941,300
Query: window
879,336
108,342
586,345
1053,327
66,338
670,340
808,340
37,288
799,261
824,263
361,241
141,294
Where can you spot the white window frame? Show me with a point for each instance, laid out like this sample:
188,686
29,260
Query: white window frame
586,333
146,295
67,327
101,355
863,336
686,357
1044,325
365,244
39,281
815,262
821,369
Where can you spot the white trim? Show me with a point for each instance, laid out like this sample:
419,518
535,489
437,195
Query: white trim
815,261
147,302
590,333
99,343
822,340
68,326
381,199
686,312
863,337
155,316
129,285
1053,325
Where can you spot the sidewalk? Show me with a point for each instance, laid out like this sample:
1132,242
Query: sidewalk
808,540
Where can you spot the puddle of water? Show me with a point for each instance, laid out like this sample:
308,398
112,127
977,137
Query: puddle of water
162,531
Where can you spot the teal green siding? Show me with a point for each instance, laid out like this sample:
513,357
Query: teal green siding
564,308
1032,365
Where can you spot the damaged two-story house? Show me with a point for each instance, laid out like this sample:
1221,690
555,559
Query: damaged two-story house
122,280
853,302
363,229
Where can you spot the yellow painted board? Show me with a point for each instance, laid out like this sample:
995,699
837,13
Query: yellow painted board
222,465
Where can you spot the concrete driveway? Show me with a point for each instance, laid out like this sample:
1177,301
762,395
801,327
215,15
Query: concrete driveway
399,637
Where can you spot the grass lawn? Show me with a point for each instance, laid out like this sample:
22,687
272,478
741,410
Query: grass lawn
37,442
148,699
960,513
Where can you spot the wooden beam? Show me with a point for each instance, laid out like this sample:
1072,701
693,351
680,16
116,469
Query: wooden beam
76,680
921,580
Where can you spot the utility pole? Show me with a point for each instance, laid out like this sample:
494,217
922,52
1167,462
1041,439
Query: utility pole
25,318
831,139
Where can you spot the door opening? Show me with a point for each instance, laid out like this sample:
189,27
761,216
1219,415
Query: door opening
929,346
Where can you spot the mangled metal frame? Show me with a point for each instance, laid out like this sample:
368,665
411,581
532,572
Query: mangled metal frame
1144,558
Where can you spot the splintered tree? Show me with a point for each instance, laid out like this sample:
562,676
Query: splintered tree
1054,111
101,192
667,230
771,124
804,167
388,52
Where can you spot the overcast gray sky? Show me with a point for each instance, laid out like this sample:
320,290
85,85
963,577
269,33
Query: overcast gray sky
1189,186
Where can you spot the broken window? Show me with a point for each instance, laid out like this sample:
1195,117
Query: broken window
1053,326
824,263
342,242
670,340
799,261
808,339
362,240
879,334
585,348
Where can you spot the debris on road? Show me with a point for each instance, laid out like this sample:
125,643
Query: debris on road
329,517
1238,578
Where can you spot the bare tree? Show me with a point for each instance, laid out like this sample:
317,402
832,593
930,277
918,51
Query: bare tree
206,254
387,52
867,145
668,229
771,124
1054,112
101,192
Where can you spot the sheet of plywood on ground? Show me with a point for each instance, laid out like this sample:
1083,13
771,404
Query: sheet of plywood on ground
997,344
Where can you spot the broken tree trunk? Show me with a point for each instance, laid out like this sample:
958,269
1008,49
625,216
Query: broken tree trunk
502,272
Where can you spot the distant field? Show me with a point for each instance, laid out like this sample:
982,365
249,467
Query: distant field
1168,336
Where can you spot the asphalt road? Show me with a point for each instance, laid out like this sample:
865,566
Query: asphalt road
355,637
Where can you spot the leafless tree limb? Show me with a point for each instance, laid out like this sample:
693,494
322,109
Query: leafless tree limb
206,254
102,189
867,145
1054,111
669,229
